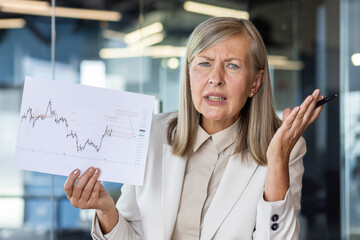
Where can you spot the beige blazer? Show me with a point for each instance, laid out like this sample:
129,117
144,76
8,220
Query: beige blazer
237,211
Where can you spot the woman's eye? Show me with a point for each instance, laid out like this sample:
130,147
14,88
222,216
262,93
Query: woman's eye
233,66
204,64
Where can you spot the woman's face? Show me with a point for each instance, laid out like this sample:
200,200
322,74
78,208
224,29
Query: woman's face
221,80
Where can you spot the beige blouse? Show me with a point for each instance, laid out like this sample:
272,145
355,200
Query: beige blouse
204,170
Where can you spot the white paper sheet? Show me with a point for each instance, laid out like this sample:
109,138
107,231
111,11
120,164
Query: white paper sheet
64,126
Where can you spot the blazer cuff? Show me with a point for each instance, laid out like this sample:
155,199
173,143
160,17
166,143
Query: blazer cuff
277,220
96,232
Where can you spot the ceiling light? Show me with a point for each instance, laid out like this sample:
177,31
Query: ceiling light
275,58
44,9
100,15
173,63
164,51
40,5
111,53
111,34
355,59
149,41
283,63
212,10
143,32
12,23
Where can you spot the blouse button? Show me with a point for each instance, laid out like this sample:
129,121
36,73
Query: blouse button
275,226
275,217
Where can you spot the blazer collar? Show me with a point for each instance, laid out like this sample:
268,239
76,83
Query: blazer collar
236,177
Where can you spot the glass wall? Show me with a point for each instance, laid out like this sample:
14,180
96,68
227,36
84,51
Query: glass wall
137,46
350,118
24,196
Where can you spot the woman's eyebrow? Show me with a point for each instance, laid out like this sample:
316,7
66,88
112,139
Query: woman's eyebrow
205,57
232,58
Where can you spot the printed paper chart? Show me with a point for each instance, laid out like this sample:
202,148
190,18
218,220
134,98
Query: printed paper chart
64,126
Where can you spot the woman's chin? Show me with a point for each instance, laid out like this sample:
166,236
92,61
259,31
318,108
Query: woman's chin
218,118
212,117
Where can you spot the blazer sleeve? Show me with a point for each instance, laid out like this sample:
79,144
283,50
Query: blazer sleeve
129,225
278,220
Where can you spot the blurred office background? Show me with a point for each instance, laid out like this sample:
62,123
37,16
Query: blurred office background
311,44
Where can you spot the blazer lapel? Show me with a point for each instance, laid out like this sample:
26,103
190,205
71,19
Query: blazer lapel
172,182
234,181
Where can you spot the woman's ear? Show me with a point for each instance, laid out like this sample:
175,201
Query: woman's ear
257,83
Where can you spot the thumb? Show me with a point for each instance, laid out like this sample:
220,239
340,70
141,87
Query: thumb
286,113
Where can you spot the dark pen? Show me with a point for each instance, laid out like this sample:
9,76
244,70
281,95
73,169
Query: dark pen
325,100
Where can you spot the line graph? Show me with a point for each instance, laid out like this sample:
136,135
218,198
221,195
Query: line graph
49,113
85,127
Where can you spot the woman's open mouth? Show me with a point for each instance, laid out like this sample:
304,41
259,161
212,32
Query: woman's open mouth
215,98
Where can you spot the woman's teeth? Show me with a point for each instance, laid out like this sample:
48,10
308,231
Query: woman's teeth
215,98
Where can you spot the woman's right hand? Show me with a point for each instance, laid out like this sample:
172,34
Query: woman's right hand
87,192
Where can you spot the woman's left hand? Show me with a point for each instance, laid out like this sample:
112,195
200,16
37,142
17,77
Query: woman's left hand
294,124
278,153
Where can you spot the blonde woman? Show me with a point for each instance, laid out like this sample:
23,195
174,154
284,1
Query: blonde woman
225,166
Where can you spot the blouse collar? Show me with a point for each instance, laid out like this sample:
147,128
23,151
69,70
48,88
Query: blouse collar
221,139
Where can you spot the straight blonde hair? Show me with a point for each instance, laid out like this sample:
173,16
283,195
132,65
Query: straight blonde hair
258,121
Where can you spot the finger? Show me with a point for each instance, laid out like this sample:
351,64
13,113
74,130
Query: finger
286,113
94,198
81,183
301,113
86,193
306,111
290,118
70,181
312,112
317,110
317,96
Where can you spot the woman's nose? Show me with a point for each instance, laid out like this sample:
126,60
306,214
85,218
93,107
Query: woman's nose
216,77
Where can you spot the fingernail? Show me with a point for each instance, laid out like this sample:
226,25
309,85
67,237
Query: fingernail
96,171
91,169
297,109
316,92
76,171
